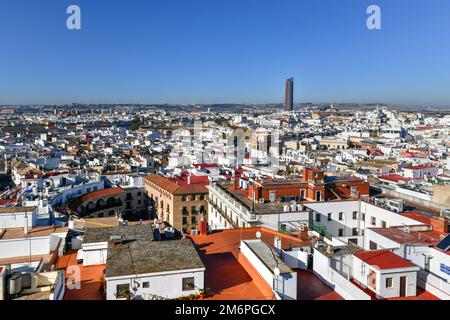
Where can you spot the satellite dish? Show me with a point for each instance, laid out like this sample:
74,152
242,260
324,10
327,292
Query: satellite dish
258,234
276,272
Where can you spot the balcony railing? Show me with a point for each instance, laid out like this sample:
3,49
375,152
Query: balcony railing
240,208
224,215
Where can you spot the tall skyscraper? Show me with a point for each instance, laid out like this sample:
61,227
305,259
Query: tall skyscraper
289,97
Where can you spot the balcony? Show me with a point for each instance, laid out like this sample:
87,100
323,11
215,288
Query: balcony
224,215
240,208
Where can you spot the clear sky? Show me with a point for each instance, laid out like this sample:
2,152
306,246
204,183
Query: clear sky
218,51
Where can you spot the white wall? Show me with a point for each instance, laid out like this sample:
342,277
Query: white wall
347,223
270,221
439,258
17,219
332,278
295,258
94,253
381,241
167,285
361,272
59,287
285,284
21,247
391,218
411,284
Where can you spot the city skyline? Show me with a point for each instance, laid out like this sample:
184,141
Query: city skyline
163,53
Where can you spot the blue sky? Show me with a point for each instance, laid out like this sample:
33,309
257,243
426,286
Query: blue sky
217,51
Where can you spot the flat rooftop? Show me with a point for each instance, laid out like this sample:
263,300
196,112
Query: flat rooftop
41,231
260,208
91,279
231,276
268,256
141,232
105,222
397,235
16,209
141,257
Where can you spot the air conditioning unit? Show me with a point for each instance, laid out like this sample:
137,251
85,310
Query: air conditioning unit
194,232
286,208
261,200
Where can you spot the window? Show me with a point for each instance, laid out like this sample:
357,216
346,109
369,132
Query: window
383,224
183,198
389,283
184,220
354,231
317,217
145,284
122,291
302,194
139,193
373,221
188,284
341,232
355,215
194,220
111,213
202,197
329,216
341,214
318,195
100,215
372,245
353,241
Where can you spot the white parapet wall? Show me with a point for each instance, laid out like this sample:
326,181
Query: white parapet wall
335,280
284,285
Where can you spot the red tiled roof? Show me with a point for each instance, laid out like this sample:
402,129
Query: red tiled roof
383,259
394,178
417,216
205,165
6,201
101,194
74,204
183,179
418,167
418,237
198,184
423,128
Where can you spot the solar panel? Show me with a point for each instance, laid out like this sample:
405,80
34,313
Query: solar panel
444,244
